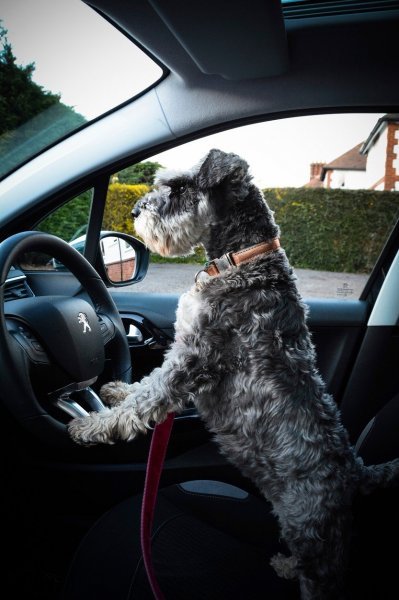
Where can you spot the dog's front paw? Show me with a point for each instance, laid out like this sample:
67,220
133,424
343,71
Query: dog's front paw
93,429
114,392
108,426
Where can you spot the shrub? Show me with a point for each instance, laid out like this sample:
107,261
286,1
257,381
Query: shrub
333,229
322,229
121,199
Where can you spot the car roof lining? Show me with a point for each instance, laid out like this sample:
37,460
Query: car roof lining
319,51
212,35
181,42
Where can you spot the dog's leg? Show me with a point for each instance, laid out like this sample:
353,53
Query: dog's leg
167,389
321,551
286,567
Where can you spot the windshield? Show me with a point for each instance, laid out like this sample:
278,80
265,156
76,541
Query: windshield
61,66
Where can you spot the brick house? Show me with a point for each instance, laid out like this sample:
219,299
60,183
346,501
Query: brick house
373,164
382,150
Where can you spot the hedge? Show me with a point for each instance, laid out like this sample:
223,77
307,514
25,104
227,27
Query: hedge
121,199
322,229
333,229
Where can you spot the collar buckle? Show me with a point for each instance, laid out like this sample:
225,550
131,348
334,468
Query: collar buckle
224,262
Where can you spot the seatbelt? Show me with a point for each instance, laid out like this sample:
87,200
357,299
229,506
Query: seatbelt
156,458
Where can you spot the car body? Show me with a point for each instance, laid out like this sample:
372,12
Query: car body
309,58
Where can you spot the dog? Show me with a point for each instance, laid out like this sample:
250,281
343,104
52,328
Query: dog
243,355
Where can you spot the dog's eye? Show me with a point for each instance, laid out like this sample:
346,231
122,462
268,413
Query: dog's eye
179,186
177,189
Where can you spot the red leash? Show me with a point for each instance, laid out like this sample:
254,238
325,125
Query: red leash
156,458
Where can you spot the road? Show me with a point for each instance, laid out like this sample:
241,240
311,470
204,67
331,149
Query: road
176,279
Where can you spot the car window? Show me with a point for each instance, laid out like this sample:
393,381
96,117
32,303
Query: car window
69,222
332,180
61,66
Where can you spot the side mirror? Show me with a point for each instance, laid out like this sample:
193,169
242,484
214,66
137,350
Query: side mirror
123,259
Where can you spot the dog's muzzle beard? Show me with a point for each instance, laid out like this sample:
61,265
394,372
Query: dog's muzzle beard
170,234
148,228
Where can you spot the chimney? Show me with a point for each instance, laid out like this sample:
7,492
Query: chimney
315,170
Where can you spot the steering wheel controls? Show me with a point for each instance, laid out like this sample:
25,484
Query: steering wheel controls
28,341
107,328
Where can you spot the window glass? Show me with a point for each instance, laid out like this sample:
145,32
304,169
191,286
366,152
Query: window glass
69,222
61,66
332,180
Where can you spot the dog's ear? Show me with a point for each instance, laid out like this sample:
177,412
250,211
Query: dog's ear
219,166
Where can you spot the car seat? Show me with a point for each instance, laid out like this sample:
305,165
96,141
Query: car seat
212,540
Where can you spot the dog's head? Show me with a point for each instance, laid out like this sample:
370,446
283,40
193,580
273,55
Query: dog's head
175,217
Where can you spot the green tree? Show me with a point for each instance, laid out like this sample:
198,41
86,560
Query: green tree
143,172
70,220
20,97
31,117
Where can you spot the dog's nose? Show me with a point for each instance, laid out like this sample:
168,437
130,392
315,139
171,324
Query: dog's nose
136,211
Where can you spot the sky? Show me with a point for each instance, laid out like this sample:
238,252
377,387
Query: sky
280,152
77,53
94,67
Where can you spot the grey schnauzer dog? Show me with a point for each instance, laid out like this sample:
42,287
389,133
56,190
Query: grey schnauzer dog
243,355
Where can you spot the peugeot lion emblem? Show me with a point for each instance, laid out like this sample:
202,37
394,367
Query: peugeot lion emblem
82,318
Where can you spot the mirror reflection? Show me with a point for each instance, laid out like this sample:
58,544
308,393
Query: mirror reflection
119,258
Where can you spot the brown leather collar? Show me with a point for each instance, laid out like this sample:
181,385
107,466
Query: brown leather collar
234,259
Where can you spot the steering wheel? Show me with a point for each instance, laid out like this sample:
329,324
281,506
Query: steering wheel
52,348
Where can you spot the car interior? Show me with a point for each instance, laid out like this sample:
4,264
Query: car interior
72,513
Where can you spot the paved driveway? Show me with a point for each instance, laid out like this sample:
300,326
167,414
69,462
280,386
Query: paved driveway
176,279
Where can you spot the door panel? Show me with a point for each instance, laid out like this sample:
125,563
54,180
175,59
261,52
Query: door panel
337,328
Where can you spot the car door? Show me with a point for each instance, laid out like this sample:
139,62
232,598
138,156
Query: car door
353,318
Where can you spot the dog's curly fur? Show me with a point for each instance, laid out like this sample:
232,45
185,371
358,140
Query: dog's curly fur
243,355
